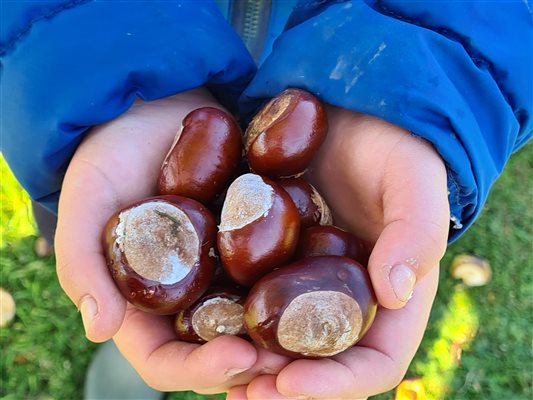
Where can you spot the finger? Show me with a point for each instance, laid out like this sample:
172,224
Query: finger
376,364
266,363
264,387
148,343
237,393
416,221
80,263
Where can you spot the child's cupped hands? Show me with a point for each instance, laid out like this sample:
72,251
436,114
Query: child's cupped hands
382,183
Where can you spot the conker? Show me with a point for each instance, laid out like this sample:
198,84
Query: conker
218,312
331,241
285,134
473,270
258,230
316,307
203,157
310,204
161,252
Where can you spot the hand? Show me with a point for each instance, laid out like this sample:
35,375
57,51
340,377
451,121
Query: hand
116,164
389,188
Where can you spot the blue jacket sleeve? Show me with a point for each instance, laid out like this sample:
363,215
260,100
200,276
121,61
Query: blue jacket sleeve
68,65
456,73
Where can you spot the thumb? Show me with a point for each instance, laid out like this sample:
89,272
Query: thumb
415,222
85,204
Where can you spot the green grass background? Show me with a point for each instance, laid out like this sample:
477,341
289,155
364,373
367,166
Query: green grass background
44,353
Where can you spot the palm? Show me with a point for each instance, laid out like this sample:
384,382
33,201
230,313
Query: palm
366,169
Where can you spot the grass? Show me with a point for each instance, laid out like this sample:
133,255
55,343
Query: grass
478,344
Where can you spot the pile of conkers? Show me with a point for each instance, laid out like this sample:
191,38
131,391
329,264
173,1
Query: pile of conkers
238,243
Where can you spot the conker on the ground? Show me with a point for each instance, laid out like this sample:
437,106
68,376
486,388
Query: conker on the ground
259,228
161,252
218,312
330,240
310,204
315,307
285,134
203,157
473,270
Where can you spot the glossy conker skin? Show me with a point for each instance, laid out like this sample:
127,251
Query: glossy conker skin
255,248
184,323
324,279
204,157
151,295
310,204
285,134
331,241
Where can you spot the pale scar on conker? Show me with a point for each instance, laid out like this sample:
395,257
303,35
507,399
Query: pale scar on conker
160,252
218,312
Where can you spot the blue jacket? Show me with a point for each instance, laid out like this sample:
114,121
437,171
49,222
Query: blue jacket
456,73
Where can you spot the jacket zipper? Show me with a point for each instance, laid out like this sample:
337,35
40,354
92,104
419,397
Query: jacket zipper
250,19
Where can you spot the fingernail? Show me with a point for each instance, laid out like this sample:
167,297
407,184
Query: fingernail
402,279
88,310
235,371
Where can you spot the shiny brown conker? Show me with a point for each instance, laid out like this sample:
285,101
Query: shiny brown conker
218,312
310,204
315,307
285,134
203,157
331,241
161,252
259,228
